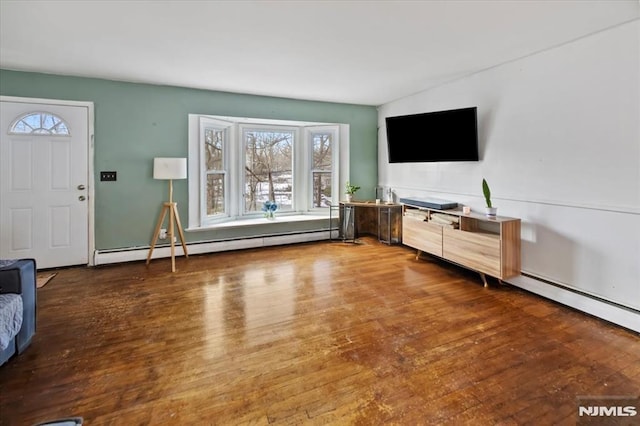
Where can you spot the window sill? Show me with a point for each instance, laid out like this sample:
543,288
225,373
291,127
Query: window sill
240,223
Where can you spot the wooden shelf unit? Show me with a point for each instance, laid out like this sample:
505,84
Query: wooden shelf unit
487,245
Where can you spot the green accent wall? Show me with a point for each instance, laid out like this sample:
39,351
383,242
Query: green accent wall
136,122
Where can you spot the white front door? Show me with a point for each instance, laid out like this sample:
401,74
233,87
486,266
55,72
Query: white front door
44,210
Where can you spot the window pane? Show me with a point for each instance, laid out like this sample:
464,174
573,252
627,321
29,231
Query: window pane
22,127
213,139
48,121
60,129
321,189
33,120
321,169
215,193
268,169
321,151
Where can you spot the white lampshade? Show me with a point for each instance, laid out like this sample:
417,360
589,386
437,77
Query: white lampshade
169,168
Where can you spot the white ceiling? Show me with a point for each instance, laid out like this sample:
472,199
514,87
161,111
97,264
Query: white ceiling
362,52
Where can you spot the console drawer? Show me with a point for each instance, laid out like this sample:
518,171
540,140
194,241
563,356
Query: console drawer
422,235
475,250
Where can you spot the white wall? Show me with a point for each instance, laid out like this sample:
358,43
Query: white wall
559,135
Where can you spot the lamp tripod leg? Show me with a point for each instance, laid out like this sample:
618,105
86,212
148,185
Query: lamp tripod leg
180,231
174,221
172,210
156,233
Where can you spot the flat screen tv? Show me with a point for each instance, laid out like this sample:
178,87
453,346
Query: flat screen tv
450,135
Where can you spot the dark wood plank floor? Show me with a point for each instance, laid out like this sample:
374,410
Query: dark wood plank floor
321,333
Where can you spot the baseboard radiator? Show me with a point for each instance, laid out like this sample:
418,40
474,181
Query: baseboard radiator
587,303
104,257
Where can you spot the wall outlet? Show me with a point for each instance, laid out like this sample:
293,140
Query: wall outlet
109,176
163,234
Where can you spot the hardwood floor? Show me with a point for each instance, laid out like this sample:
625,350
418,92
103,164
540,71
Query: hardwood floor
321,333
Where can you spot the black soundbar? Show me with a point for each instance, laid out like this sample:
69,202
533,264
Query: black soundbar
430,203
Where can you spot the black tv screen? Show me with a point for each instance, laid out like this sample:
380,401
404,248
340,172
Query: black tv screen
450,135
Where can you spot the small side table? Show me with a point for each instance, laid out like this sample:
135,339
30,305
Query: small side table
390,224
346,224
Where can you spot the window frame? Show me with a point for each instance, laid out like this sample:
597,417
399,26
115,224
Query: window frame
242,128
335,164
205,123
215,125
234,186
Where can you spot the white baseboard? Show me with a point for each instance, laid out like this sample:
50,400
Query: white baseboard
616,314
140,253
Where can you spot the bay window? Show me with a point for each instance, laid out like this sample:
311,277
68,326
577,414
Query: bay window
238,164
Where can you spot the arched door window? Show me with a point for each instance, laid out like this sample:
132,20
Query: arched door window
39,123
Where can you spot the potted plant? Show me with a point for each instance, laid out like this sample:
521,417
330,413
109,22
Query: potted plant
490,210
350,190
269,208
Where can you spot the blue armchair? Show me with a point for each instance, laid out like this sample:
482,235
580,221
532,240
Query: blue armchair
19,278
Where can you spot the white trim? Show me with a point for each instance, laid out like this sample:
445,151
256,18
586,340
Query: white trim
90,157
624,317
344,166
140,253
91,182
195,198
264,121
261,221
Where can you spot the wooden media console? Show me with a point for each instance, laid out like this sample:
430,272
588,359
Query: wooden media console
487,245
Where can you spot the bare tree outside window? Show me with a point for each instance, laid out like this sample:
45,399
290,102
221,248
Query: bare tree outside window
321,169
268,168
214,162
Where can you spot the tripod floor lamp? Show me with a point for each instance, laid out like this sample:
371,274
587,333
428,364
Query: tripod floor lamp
169,169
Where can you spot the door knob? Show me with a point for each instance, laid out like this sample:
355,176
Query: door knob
82,198
81,187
